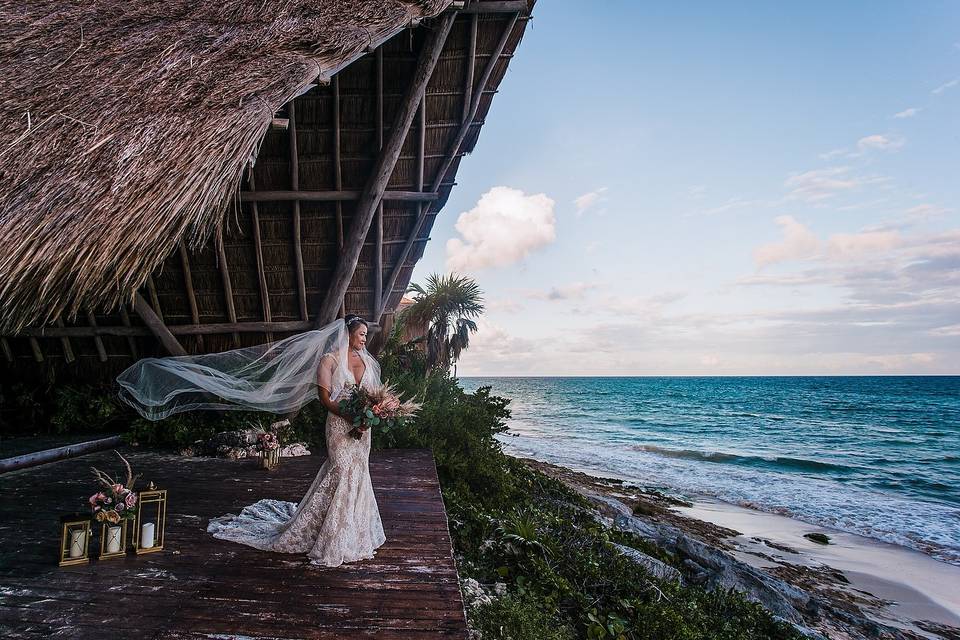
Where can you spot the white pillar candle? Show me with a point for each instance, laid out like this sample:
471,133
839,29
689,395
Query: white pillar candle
146,535
113,539
77,542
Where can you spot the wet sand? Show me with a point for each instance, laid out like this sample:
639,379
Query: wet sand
915,586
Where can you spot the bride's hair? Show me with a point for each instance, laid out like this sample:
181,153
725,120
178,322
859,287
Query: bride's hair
352,321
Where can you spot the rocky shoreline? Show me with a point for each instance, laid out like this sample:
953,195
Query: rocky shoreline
818,601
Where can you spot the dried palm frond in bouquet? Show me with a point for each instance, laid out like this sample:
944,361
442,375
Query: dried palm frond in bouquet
116,501
380,407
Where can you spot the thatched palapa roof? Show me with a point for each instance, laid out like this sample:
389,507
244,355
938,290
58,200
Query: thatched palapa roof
126,125
212,162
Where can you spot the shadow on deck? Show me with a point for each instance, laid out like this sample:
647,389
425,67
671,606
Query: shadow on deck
200,587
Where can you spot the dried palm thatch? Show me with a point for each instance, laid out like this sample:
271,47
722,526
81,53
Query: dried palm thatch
126,127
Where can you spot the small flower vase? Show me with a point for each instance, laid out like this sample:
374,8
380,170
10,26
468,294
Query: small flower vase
270,458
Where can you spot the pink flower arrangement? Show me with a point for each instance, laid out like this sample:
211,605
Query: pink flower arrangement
116,501
267,441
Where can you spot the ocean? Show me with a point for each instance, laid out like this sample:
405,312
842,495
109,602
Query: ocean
877,456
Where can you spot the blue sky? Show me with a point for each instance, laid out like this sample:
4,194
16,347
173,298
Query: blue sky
717,189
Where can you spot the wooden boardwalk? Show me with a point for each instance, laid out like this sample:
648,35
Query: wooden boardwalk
200,587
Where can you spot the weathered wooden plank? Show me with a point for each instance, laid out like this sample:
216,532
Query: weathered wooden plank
188,285
201,587
258,254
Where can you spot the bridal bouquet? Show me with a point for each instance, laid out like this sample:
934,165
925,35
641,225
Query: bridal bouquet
380,407
116,501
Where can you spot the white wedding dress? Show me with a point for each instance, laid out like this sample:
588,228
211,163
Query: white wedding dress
337,521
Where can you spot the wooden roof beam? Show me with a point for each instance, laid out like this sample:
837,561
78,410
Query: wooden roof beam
423,211
156,327
330,196
382,170
503,6
227,286
295,186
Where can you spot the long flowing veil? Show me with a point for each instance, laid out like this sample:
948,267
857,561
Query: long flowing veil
279,377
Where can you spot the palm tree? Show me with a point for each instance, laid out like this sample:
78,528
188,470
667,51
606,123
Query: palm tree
447,306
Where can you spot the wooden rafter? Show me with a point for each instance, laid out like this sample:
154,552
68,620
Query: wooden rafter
382,170
35,348
174,330
258,254
454,149
471,63
68,354
97,340
7,351
155,325
125,318
378,224
295,186
501,6
227,286
337,196
154,298
188,285
338,173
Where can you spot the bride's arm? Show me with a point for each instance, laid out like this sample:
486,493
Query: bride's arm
325,382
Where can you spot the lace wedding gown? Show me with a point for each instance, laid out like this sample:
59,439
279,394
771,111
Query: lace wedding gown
337,521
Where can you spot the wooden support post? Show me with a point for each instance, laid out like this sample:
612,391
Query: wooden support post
97,340
227,286
338,173
295,186
258,253
35,348
154,298
7,351
157,327
378,223
383,168
454,149
188,285
131,341
471,63
65,343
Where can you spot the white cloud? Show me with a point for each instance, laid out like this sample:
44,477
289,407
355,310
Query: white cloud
820,184
833,153
926,211
946,85
798,243
506,305
879,142
950,331
908,113
588,200
851,246
572,291
502,229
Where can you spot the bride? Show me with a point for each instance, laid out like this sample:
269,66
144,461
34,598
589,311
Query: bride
337,521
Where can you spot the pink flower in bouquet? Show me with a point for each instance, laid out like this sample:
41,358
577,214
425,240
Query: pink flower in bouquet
95,498
130,499
117,489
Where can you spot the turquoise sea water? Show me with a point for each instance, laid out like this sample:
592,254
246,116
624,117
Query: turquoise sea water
878,456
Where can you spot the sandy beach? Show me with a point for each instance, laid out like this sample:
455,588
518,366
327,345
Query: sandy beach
891,585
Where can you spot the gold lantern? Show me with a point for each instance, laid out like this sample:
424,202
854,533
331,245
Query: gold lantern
151,520
270,458
113,540
74,539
